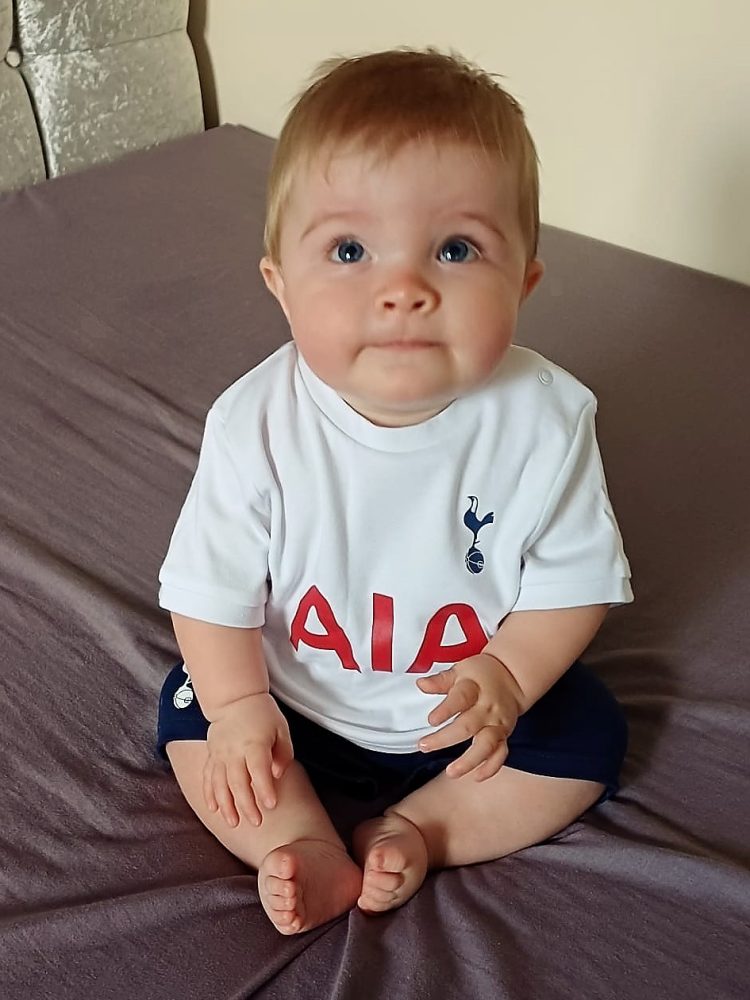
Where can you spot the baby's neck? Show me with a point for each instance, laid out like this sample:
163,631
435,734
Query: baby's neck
394,418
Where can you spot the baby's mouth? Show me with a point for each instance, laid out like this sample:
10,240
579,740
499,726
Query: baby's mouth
406,345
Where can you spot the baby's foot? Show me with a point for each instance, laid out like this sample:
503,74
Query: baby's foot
393,855
306,883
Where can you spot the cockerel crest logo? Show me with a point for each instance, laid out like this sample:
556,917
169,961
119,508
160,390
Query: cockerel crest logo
474,558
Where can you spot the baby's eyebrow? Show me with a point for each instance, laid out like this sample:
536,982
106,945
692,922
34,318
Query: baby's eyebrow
325,217
483,220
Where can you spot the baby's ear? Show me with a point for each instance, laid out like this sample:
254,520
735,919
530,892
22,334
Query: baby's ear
534,272
274,281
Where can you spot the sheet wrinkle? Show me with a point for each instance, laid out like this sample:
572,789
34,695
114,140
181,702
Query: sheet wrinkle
650,825
642,861
59,582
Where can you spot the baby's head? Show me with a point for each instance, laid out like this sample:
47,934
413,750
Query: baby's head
402,227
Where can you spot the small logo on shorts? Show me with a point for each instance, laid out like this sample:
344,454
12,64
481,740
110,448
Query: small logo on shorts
183,696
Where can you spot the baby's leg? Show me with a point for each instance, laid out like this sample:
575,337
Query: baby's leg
305,876
460,821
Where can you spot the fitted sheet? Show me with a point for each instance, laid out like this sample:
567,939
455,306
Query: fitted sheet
129,298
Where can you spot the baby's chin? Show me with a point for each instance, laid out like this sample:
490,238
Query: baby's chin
395,411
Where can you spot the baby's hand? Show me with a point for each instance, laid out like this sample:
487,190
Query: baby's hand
248,746
486,697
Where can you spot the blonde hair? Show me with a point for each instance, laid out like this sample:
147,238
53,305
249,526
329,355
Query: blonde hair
381,101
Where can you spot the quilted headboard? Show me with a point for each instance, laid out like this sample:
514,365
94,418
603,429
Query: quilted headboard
83,81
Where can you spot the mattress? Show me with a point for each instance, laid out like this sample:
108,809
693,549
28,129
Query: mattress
129,298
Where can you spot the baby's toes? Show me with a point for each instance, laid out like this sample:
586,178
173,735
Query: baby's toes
281,901
385,881
374,900
281,887
280,904
288,922
387,859
379,890
281,863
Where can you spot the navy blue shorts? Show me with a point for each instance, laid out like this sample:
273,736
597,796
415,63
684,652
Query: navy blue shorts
576,730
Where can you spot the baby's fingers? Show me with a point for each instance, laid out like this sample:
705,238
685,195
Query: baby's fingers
283,755
461,697
492,765
208,786
438,683
258,763
457,731
483,754
243,794
222,795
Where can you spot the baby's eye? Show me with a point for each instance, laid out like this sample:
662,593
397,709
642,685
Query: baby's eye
457,251
347,252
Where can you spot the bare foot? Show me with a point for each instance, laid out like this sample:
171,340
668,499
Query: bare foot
306,883
393,855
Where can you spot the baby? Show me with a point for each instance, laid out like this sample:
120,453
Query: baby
398,539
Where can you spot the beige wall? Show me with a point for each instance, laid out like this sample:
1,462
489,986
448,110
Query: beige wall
640,110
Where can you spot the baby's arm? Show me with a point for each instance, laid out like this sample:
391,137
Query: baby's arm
225,664
537,647
248,738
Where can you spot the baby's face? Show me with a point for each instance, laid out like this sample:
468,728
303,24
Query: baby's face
401,280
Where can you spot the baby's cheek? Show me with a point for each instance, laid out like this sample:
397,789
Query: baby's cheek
327,351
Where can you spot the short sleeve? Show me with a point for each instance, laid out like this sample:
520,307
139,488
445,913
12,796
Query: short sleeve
216,568
575,556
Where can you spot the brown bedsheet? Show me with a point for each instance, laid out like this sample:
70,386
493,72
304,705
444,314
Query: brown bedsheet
129,298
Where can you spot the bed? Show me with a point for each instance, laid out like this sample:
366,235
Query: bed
129,298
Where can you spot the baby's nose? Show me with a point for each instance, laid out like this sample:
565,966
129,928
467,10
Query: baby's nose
409,294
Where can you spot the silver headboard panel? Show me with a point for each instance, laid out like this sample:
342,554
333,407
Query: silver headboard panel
21,156
82,81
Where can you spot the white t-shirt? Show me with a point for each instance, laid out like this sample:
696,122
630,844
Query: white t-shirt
373,555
